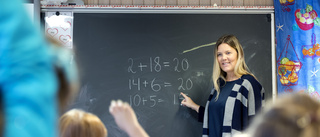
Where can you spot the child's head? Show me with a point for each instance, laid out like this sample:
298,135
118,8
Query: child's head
78,123
292,115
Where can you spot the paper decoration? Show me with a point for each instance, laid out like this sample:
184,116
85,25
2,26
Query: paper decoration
59,26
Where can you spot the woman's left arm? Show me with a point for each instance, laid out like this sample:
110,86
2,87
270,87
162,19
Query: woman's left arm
255,95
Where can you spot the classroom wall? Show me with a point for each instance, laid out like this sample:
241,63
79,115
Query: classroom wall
182,2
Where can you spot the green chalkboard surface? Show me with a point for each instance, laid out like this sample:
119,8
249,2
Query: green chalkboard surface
148,59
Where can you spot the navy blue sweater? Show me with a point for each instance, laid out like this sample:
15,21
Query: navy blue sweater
244,101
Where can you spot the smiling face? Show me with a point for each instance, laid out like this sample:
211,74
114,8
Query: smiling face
227,58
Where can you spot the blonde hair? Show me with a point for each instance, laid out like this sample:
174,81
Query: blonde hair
77,123
241,67
293,115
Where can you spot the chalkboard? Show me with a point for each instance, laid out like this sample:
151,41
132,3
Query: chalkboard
148,59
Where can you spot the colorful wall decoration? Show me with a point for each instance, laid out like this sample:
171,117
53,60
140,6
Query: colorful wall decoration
298,50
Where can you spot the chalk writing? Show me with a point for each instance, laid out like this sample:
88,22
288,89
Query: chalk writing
136,84
155,85
151,101
156,65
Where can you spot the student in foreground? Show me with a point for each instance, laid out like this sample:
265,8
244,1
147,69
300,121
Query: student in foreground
78,123
28,84
292,115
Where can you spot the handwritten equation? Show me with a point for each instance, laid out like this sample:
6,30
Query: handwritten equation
152,100
156,65
156,85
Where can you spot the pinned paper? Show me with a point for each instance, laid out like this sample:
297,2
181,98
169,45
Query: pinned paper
59,26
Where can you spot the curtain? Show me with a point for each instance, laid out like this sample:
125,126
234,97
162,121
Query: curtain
297,27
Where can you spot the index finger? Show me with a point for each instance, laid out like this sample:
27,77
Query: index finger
112,105
184,95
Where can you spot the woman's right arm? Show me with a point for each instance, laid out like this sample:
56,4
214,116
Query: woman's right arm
187,101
